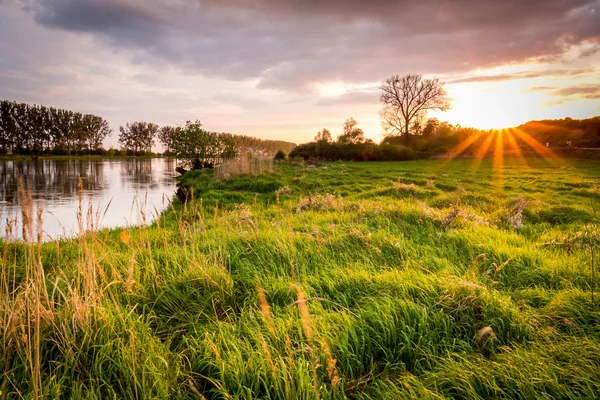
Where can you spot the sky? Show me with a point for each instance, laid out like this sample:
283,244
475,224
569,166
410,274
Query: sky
285,69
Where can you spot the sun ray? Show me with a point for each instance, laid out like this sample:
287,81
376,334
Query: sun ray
536,146
459,149
482,151
514,147
498,161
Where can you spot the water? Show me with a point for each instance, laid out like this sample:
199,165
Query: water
121,193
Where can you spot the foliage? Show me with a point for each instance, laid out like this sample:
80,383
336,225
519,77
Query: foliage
279,156
352,133
264,147
353,152
138,136
33,129
324,136
192,142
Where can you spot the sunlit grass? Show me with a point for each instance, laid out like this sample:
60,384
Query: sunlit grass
349,280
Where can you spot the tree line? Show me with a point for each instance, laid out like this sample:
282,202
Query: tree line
435,137
406,101
351,145
36,129
191,141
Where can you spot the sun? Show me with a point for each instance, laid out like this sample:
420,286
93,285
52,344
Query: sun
493,106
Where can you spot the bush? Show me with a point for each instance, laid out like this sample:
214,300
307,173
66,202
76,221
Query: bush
279,156
354,152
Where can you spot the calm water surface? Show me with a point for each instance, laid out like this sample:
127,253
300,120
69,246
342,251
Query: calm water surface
121,192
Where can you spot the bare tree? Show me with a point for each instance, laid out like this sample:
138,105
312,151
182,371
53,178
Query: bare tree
323,135
409,98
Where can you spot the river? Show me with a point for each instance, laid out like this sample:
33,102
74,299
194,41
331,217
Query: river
120,192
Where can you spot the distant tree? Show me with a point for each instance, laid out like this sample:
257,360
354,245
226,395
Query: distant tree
138,136
324,136
228,145
7,126
445,129
26,128
417,127
22,134
430,127
97,129
279,156
60,128
194,143
352,134
165,137
408,97
349,125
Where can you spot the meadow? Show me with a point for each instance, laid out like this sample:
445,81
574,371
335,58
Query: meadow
445,279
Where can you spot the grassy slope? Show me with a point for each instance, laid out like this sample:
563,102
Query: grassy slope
396,290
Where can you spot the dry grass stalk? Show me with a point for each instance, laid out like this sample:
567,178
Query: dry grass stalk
482,335
515,215
305,318
504,264
406,187
195,390
282,191
124,237
264,308
213,347
331,370
129,281
451,217
319,202
267,353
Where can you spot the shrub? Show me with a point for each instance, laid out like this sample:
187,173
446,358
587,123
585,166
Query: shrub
279,156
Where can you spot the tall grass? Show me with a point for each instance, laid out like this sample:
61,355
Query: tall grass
244,164
342,281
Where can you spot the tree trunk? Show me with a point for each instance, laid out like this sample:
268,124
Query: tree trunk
406,133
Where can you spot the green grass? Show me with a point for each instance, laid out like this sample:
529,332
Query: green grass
376,279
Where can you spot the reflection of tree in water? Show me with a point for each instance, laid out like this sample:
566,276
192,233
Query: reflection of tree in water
50,179
140,173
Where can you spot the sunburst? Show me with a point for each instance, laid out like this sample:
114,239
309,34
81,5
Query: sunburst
500,144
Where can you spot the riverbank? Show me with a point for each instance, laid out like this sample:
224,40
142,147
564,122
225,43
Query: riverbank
21,157
426,279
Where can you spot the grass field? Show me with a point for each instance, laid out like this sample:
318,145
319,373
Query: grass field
429,279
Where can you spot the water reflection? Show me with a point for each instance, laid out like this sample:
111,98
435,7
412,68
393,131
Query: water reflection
132,187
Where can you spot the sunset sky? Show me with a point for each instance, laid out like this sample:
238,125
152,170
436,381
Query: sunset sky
284,69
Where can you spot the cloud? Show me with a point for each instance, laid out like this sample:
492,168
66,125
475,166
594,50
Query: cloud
294,43
590,92
524,75
541,88
352,97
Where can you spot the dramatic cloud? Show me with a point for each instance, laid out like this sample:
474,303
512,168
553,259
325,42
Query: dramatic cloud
287,44
287,68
